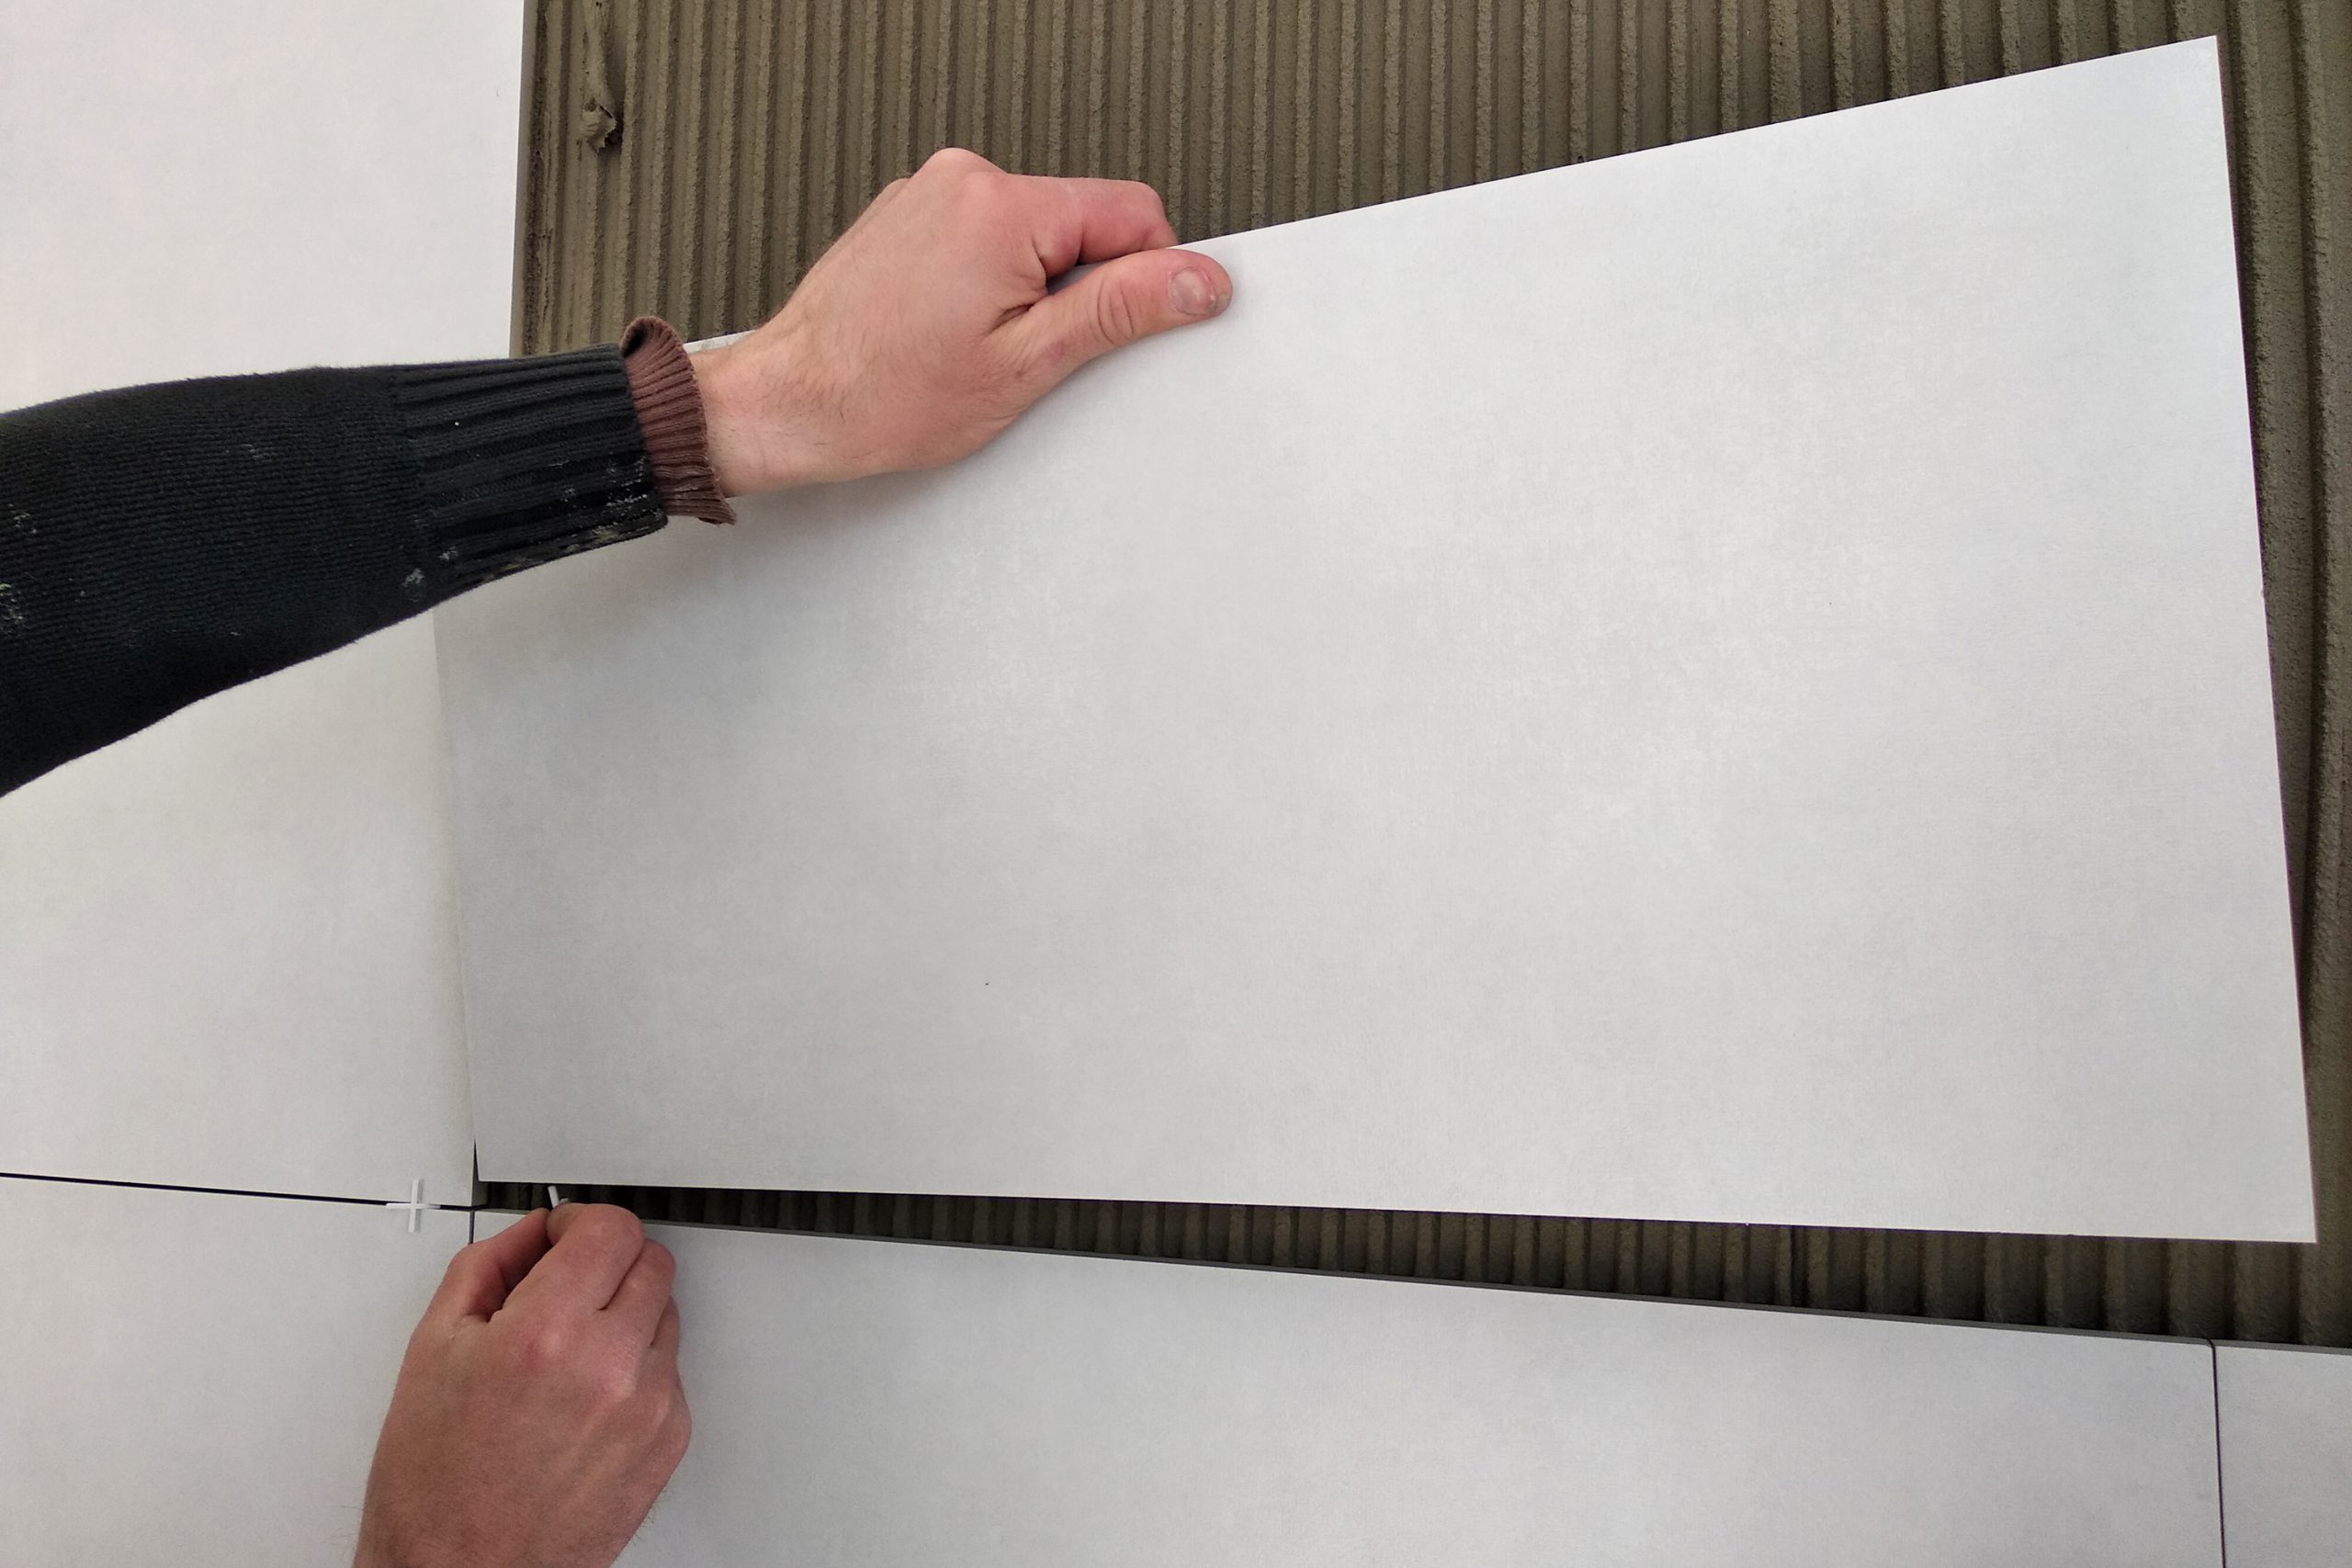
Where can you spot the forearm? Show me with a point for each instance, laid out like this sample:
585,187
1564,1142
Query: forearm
161,543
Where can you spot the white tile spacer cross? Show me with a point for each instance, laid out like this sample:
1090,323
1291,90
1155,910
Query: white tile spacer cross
415,1204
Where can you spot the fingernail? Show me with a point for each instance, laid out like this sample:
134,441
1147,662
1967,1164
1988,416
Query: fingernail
1193,294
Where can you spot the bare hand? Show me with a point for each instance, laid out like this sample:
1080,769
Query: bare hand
927,328
539,1411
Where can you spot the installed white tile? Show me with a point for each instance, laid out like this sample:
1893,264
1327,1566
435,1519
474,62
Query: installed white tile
1727,683
196,1378
860,1401
250,185
2286,1456
227,946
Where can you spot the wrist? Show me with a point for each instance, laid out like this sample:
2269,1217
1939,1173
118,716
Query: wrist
736,462
766,414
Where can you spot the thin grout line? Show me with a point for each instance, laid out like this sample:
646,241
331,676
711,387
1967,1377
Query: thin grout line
2220,1501
227,1191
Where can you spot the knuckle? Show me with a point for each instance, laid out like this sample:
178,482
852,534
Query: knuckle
958,163
1115,316
612,1379
597,1373
675,1434
546,1344
663,1263
660,1407
1037,369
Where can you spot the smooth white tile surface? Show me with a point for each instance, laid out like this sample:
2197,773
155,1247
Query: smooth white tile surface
194,1379
1727,683
2286,1456
860,1401
228,955
227,945
250,185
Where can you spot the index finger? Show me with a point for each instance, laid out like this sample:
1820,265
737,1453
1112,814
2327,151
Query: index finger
593,1245
483,1275
1092,220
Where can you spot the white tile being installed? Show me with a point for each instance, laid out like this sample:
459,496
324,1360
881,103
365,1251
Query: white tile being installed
228,944
1724,683
195,1380
860,1402
2286,1418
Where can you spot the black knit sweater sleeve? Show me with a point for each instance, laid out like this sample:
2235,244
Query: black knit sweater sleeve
161,543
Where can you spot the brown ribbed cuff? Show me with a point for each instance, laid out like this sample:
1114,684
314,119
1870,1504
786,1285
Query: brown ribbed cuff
669,409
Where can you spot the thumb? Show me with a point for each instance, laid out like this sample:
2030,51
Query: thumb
1120,302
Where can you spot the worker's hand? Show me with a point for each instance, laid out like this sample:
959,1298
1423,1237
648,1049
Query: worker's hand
539,1411
927,327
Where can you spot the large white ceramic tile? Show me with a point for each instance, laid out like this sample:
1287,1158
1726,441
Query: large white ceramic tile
196,1378
248,185
860,1401
228,954
1727,683
227,945
2286,1455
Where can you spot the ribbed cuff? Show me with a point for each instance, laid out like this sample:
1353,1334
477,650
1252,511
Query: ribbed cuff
521,461
669,409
